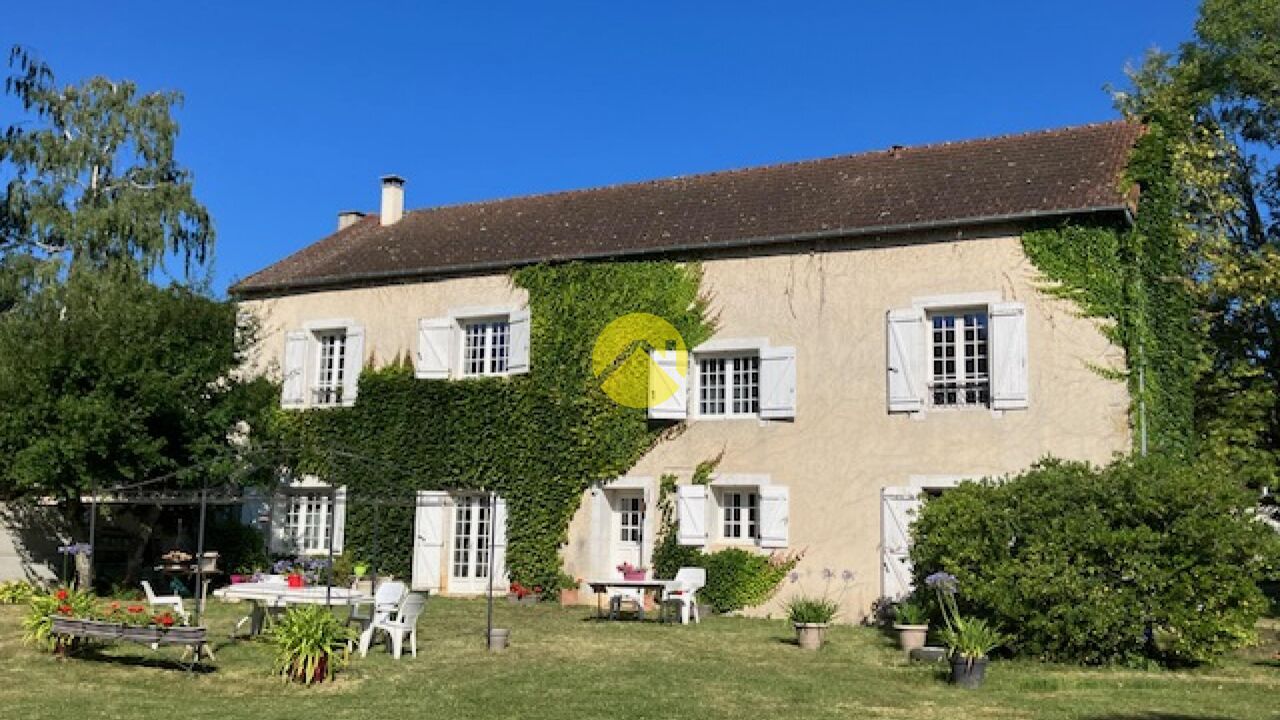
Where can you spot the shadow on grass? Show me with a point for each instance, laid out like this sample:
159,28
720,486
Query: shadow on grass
1155,716
156,663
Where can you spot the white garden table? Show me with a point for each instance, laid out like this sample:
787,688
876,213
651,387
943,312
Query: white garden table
602,587
267,596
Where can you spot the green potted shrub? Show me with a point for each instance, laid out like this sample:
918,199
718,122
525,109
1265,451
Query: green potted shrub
811,616
911,621
968,640
311,644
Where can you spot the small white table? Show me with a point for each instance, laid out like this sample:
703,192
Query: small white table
268,595
602,587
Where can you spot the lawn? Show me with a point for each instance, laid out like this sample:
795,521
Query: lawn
564,665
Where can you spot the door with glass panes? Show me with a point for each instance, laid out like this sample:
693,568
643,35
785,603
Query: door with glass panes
469,554
628,528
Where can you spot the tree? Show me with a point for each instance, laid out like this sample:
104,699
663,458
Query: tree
91,180
1216,102
107,379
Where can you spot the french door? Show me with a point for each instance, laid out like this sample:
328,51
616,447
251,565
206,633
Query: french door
469,557
628,528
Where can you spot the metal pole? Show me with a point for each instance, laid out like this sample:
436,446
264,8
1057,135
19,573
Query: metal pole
199,589
333,508
488,622
93,531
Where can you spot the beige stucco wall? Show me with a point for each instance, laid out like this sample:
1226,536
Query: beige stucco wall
843,446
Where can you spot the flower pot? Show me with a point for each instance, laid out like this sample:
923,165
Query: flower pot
296,581
911,637
238,579
498,639
569,597
810,636
968,673
633,575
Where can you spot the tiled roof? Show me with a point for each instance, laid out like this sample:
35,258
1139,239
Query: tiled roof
1068,171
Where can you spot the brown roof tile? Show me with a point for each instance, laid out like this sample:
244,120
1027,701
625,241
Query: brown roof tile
1067,171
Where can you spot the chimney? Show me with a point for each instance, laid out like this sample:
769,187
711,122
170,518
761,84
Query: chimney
392,199
347,218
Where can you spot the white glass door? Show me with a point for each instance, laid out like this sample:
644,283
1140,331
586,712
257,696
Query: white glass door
469,555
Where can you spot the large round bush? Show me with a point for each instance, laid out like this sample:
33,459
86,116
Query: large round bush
1144,560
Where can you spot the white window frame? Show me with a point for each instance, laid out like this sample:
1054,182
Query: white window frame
477,557
328,394
725,350
491,324
306,519
962,378
631,518
748,520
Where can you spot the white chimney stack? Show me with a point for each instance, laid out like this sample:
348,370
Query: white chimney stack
392,199
347,218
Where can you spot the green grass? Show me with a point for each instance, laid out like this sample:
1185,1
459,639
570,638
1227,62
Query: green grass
563,665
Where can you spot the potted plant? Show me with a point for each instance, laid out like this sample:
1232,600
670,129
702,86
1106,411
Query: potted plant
569,590
968,640
631,572
911,621
523,594
311,644
811,616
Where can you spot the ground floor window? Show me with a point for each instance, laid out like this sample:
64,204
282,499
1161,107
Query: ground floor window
740,510
307,522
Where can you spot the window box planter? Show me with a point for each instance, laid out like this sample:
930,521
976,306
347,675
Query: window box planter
633,575
911,637
146,635
968,674
810,636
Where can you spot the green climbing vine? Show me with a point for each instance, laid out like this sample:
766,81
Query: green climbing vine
539,439
1136,278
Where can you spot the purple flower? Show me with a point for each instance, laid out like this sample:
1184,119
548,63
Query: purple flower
794,576
76,549
942,582
847,576
827,574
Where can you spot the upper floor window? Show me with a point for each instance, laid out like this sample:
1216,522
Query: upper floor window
332,367
959,357
729,386
486,347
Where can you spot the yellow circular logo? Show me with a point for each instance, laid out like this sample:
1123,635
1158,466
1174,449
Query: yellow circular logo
628,373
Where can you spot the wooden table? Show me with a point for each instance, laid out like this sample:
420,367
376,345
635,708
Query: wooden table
602,587
266,596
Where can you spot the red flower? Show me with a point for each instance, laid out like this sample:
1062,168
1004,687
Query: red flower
115,605
135,609
165,619
61,594
64,609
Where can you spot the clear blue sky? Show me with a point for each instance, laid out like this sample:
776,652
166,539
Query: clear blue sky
292,114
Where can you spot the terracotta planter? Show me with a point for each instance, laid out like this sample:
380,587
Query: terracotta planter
569,597
968,674
911,637
810,636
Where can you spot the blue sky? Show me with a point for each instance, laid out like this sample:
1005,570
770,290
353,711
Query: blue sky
292,113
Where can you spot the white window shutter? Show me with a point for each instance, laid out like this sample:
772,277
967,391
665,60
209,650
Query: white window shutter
775,516
1009,356
500,546
898,509
354,364
428,539
906,362
293,391
339,519
435,348
518,359
691,514
668,388
778,382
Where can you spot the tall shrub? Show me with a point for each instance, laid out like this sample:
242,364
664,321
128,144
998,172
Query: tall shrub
1144,560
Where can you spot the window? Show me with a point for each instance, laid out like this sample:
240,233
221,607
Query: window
729,386
486,347
306,527
740,509
959,359
632,519
471,537
331,372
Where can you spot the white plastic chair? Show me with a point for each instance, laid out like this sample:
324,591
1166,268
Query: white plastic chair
385,601
688,581
403,622
173,602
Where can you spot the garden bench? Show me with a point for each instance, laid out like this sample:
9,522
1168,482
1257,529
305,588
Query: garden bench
193,640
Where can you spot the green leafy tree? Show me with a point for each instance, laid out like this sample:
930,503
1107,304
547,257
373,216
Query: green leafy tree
105,378
1215,104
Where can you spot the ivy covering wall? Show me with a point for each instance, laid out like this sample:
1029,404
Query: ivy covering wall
538,439
1135,278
